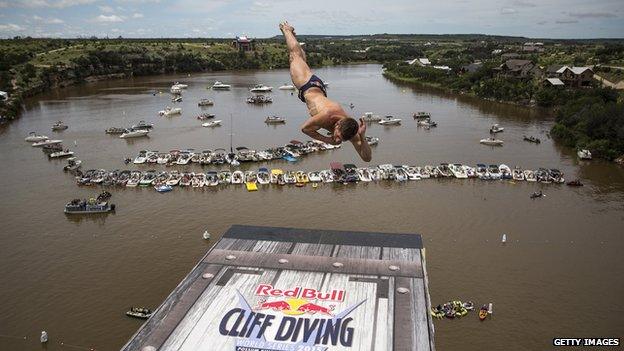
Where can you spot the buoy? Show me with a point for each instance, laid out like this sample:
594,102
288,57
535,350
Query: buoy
490,308
504,240
43,337
206,235
75,142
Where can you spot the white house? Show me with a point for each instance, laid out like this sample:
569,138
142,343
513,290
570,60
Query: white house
4,96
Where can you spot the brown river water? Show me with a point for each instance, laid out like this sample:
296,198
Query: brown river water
559,275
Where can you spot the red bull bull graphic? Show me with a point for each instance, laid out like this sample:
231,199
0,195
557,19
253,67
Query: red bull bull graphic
290,324
299,292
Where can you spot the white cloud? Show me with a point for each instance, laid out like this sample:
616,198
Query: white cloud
10,27
137,15
108,19
49,3
50,20
106,9
508,11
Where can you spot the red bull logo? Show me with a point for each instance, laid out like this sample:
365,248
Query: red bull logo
299,292
294,307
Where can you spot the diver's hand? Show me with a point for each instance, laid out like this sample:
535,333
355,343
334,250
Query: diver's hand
362,129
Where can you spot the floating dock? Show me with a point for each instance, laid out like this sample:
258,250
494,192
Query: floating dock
269,288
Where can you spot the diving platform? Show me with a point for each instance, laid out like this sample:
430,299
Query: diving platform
290,289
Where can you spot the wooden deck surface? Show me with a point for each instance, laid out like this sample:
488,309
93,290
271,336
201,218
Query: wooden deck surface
268,288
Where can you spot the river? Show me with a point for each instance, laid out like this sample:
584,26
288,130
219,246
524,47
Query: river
559,274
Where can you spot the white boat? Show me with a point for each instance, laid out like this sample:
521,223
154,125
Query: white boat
458,171
517,174
135,178
134,133
287,87
212,123
212,178
389,121
174,178
529,175
264,177
260,88
364,174
584,154
143,125
46,142
62,153
176,99
370,117
375,174
175,90
471,172
179,85
424,172
163,158
184,158
399,174
482,172
412,172
169,111
372,141
495,128
315,177
205,102
58,126
274,120
491,142
251,177
34,137
505,171
238,177
326,176
220,86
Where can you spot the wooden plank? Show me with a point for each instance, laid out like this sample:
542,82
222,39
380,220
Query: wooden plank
404,335
314,263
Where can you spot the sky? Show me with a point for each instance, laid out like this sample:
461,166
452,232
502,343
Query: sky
260,18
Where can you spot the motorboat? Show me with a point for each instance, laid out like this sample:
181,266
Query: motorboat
62,153
275,120
315,177
58,126
422,115
184,157
338,171
115,130
423,172
148,178
471,172
163,188
372,141
139,312
212,178
412,172
375,173
34,137
444,170
205,116
491,142
259,99
141,157
494,171
73,164
264,177
175,90
556,176
179,85
143,125
364,174
46,142
211,124
531,139
244,154
389,121
238,177
187,179
276,174
251,177
134,179
529,175
505,171
205,102
134,133
576,182
174,178
369,117
302,177
170,111
351,175
399,174
260,88
163,158
176,99
198,180
584,154
152,157
386,171
290,177
90,206
427,123
482,172
326,176
287,87
495,128
220,86
483,312
458,171
517,174
225,177
543,175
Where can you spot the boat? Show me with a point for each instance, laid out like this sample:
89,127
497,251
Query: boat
205,102
198,180
427,123
482,172
220,86
243,154
134,133
444,170
529,175
422,115
187,178
494,171
276,175
471,172
184,157
338,171
505,171
576,182
351,174
412,172
274,120
225,177
115,130
143,125
537,194
34,137
531,139
326,176
251,177
259,99
73,164
372,141
174,178
163,188
212,178
238,177
260,88
491,142
78,206
251,186
180,85
389,121
315,177
46,142
287,86
584,154
139,312
375,173
176,99
215,123
170,111
264,177
495,128
483,312
175,90
147,178
141,157
517,174
62,153
163,158
369,117
134,179
543,175
556,176
364,174
58,126
458,171
290,177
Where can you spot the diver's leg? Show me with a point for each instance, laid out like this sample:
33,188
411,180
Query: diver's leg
300,73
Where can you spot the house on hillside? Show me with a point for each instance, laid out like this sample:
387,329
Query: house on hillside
243,43
4,96
471,68
510,55
533,47
420,62
553,82
571,76
521,69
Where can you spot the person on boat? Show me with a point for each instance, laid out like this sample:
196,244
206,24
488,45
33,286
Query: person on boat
324,113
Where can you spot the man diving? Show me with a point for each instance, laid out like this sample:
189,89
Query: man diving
324,113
